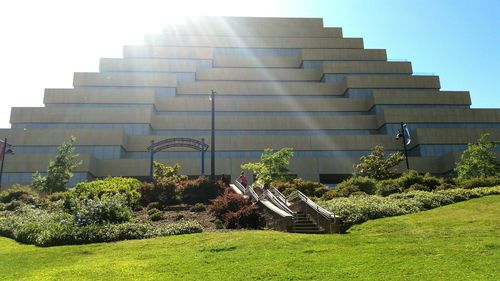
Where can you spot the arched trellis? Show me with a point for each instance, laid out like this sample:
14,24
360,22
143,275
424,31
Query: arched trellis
177,142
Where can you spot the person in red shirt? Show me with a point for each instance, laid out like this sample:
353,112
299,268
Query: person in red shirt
243,180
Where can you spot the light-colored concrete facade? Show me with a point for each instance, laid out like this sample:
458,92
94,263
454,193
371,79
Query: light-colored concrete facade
280,82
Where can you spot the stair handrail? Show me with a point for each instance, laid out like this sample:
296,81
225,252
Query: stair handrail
279,195
253,194
322,211
277,202
240,186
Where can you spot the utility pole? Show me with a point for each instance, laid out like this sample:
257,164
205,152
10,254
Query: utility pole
212,140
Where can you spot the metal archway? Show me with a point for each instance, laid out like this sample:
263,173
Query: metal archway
176,142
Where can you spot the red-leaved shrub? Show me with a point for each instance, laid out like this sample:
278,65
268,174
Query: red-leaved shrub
236,211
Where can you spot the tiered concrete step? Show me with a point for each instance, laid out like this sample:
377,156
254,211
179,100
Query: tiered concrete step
302,224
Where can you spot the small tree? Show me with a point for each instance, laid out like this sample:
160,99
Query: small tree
162,171
377,166
478,160
273,166
60,170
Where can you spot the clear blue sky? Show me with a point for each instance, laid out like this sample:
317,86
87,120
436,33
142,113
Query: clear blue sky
44,42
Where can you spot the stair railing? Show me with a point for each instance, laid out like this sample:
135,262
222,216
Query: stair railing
328,217
279,196
253,194
322,211
270,196
240,186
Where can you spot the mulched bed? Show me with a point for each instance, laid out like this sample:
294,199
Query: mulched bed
181,212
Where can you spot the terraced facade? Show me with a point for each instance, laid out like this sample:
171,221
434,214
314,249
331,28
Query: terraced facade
280,82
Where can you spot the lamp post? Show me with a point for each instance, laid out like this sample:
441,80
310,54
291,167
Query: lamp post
4,150
405,135
212,139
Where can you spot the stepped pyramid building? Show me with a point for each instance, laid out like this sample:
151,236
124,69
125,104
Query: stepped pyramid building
279,82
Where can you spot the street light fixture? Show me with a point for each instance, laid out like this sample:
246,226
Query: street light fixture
4,149
212,139
405,135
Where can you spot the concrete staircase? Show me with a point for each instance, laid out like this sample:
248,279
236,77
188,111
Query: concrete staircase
302,224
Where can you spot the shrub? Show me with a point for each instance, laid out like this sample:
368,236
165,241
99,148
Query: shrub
42,228
431,182
356,184
330,194
152,211
418,186
409,178
155,214
153,205
445,186
388,187
179,217
479,182
107,209
236,211
165,191
19,192
198,207
11,206
201,190
110,186
218,224
170,173
357,209
246,217
309,188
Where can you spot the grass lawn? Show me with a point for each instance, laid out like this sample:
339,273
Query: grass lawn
456,242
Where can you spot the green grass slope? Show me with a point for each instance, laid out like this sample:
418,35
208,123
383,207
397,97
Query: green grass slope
456,242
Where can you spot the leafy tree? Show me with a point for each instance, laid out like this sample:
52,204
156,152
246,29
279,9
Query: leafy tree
377,166
478,160
162,171
60,170
273,166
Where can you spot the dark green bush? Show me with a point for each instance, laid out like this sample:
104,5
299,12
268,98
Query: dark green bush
152,211
218,224
446,186
110,186
431,182
407,179
198,207
330,194
155,214
22,193
153,205
12,205
388,187
309,188
179,217
479,182
201,190
418,186
356,184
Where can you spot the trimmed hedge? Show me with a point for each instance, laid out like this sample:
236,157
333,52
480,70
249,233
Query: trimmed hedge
109,186
358,209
